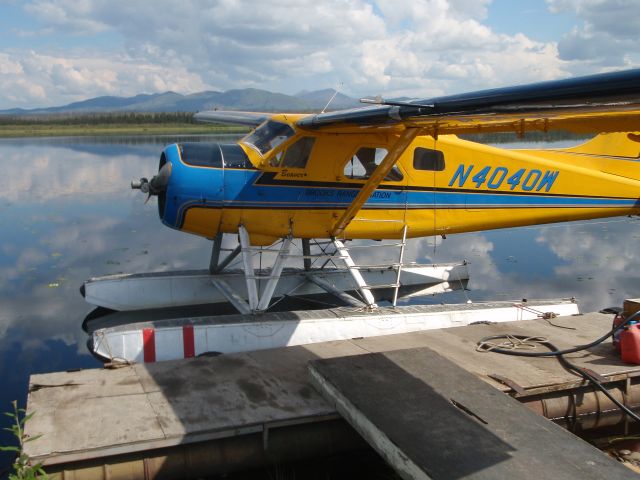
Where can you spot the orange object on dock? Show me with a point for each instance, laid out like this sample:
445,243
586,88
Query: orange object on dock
630,344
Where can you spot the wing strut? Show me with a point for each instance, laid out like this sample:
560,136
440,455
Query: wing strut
374,180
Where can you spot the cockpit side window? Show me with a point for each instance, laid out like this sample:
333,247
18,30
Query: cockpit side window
365,161
268,136
234,157
201,154
298,154
428,159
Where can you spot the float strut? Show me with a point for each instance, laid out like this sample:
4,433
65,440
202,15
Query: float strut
343,253
399,271
274,277
214,266
247,260
306,252
215,253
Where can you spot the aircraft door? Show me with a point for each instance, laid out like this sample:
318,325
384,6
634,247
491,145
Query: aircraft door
427,164
390,198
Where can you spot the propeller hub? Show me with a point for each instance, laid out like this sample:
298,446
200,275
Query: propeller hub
142,185
155,186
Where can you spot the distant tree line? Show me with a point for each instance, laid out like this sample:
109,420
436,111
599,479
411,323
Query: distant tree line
114,118
186,118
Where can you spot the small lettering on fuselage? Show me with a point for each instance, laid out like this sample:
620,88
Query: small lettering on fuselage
494,177
318,192
293,174
349,194
381,195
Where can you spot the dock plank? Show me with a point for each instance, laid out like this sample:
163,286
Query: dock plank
431,419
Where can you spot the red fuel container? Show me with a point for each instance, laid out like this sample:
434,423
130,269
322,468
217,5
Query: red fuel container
630,344
618,320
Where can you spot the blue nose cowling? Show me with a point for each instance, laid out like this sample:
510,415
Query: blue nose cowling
197,179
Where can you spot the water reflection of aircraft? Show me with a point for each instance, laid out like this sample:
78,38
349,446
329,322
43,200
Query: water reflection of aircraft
396,170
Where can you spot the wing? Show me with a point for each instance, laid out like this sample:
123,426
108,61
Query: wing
597,103
252,119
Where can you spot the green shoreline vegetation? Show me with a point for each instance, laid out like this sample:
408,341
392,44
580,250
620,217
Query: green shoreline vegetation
55,125
171,123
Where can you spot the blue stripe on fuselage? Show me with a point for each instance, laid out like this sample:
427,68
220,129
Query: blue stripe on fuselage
201,187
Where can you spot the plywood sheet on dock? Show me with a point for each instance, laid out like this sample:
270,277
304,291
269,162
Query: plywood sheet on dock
430,418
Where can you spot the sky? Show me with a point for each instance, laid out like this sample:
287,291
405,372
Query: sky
53,52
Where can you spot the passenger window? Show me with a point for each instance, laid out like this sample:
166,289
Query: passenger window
365,161
298,154
275,160
233,156
428,159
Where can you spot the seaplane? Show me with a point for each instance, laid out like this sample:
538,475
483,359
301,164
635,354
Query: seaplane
388,171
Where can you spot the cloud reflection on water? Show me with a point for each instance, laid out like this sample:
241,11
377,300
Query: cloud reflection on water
67,215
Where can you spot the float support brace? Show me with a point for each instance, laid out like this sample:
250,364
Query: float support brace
344,255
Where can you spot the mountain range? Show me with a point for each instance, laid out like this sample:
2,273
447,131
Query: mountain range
244,99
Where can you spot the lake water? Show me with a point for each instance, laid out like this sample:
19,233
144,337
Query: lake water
67,213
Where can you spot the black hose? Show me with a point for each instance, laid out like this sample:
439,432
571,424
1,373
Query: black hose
484,346
555,352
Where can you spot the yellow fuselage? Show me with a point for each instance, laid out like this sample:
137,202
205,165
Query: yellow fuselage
438,186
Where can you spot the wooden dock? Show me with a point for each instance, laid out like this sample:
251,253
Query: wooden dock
244,409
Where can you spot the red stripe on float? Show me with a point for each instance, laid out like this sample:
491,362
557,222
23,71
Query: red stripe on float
188,341
149,344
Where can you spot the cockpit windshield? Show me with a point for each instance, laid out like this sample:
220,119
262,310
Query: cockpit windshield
268,136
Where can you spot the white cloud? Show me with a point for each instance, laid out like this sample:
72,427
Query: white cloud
35,79
608,36
416,48
71,15
8,66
